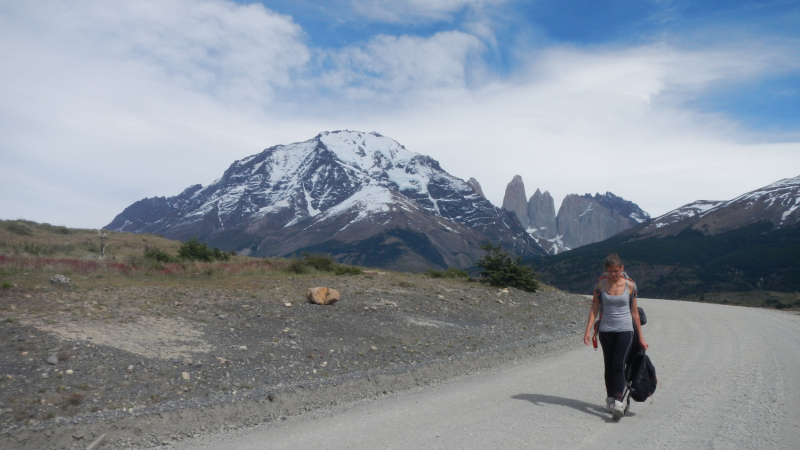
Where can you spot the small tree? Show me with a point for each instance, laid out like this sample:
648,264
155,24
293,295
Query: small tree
156,254
502,270
194,250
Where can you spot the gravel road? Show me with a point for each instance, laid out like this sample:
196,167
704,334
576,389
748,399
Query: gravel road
729,380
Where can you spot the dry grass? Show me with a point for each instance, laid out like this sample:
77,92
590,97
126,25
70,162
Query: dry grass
31,254
26,238
34,272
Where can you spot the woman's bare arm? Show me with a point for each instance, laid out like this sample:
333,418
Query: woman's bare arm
637,323
587,337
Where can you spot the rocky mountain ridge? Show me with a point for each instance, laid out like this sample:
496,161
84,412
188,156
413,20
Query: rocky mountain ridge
778,203
581,220
748,244
334,191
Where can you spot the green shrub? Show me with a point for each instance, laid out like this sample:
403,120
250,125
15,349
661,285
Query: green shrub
7,285
450,272
502,270
18,228
347,270
320,262
219,255
296,266
54,229
325,263
156,254
194,250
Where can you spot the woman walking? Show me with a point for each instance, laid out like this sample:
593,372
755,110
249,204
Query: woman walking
614,302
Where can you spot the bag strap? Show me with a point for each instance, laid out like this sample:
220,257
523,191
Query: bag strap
599,295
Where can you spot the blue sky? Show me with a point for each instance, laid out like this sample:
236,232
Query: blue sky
662,102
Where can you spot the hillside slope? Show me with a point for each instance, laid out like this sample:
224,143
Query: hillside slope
702,247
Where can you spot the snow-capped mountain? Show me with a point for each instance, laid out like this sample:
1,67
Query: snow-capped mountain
746,244
328,193
678,219
778,203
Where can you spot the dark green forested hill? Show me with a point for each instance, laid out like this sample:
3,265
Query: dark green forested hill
754,258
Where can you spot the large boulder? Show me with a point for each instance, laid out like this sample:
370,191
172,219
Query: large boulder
322,295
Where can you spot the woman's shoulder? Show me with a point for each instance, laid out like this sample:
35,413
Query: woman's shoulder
634,289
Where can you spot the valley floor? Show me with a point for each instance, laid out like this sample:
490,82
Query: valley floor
149,365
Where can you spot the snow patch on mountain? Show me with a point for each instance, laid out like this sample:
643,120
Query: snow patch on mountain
693,209
786,193
339,178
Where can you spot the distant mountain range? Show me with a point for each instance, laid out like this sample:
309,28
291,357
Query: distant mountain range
367,200
750,243
360,197
581,219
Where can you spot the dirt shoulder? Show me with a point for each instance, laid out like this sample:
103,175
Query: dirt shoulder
152,365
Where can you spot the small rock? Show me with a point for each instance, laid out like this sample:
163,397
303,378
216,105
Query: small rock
97,442
187,361
78,435
52,359
287,304
45,375
373,348
222,316
24,353
271,397
61,280
185,375
242,347
222,360
69,372
130,368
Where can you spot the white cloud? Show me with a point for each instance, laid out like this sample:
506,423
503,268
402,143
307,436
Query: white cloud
102,104
391,70
400,11
102,99
235,52
580,121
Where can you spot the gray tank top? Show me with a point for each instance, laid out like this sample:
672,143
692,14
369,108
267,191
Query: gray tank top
616,311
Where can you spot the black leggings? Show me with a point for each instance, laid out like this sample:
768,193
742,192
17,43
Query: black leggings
616,346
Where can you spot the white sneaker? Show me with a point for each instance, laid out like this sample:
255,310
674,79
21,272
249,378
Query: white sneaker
619,410
609,404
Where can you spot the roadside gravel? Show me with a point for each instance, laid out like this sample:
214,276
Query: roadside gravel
727,380
149,366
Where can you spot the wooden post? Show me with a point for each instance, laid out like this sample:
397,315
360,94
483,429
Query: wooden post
102,234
